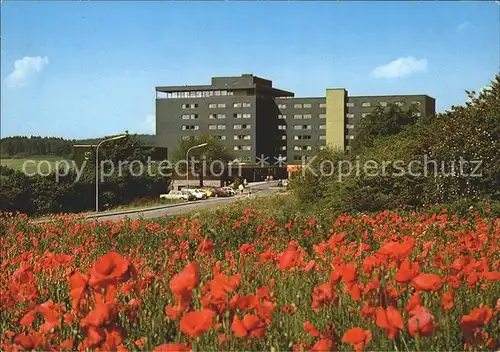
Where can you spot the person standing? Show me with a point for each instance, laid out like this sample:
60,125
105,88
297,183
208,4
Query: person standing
241,188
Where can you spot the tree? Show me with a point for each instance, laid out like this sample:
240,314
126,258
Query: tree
214,153
383,122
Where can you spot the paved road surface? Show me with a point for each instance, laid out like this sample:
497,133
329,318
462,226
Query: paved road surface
265,189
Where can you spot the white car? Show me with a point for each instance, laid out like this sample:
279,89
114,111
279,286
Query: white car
229,190
199,194
176,195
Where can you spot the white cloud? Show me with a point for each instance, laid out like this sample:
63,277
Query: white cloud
149,124
402,67
24,69
462,27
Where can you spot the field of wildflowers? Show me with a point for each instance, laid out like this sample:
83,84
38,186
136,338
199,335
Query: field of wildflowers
248,281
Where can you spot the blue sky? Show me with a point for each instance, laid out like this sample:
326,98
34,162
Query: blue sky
85,69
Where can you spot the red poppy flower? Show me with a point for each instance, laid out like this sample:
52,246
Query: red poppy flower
349,272
323,345
311,330
390,320
288,259
421,322
250,326
447,300
110,269
322,295
196,324
357,337
407,271
427,282
478,317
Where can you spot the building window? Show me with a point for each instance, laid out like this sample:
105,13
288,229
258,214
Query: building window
365,114
190,127
383,103
351,116
282,117
221,127
247,116
189,116
350,137
302,147
297,116
303,137
322,105
283,137
307,116
246,127
418,114
307,127
283,147
366,104
212,127
212,106
297,127
322,137
237,116
242,147
281,127
297,106
322,127
241,137
222,138
186,106
222,105
307,106
350,127
350,105
185,138
241,127
322,116
297,157
247,105
237,105
281,106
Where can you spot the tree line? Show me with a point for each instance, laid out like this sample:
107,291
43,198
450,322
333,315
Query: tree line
19,146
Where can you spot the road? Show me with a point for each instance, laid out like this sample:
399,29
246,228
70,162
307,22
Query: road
260,190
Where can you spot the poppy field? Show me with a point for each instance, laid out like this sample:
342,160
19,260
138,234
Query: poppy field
250,281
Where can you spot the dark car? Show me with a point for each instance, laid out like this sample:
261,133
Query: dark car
221,192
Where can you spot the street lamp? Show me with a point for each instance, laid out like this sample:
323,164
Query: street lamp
187,161
97,168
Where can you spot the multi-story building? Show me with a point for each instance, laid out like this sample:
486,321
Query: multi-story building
254,119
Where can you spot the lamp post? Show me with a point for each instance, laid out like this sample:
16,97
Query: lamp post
97,168
187,161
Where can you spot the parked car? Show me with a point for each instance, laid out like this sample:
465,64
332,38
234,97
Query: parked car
221,192
178,195
209,192
199,194
229,190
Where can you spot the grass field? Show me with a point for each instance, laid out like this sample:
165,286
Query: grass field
33,164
